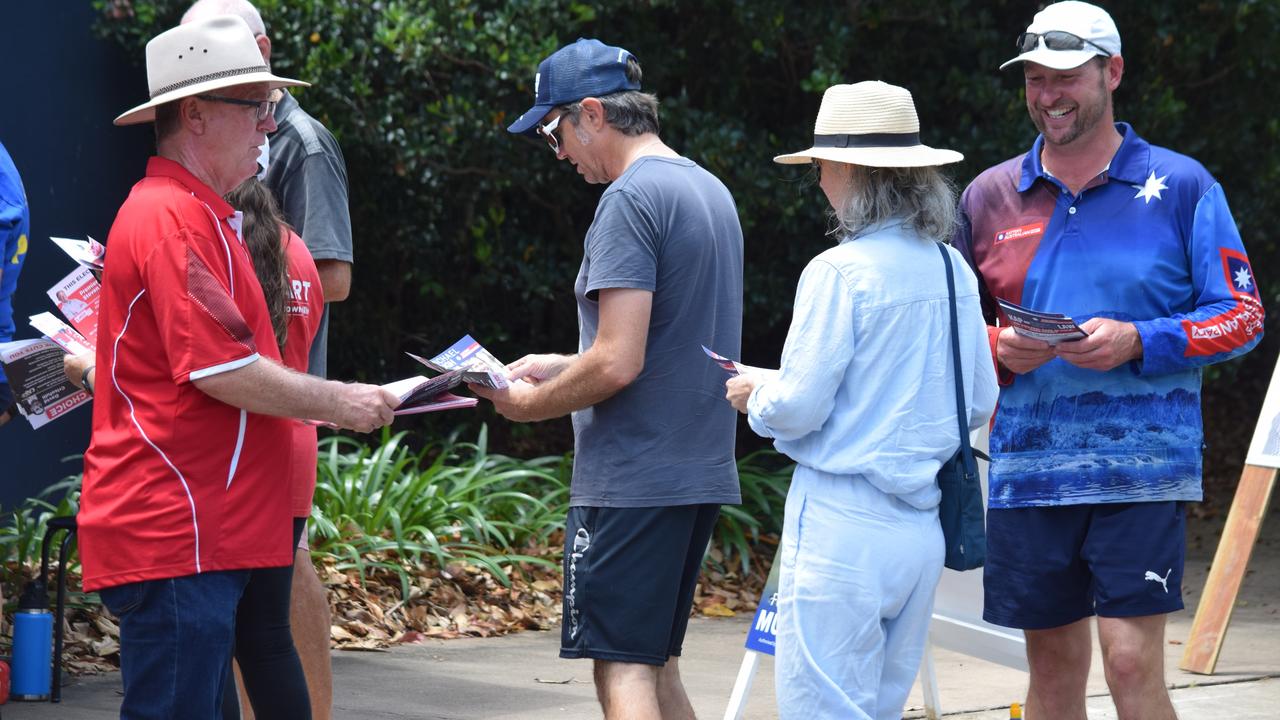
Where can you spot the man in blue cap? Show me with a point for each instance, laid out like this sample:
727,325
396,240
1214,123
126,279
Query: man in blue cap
654,443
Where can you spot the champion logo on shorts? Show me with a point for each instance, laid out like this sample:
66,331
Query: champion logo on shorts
1020,233
1151,576
581,542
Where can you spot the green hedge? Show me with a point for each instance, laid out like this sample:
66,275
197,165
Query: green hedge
463,228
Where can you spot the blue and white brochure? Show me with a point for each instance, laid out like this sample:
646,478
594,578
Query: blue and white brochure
479,366
1052,328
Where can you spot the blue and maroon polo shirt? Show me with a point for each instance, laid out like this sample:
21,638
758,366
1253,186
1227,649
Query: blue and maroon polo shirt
1149,241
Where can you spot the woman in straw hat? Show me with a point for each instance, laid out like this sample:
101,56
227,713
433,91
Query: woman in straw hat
865,404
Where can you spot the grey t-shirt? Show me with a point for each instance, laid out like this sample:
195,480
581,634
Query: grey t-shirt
670,227
308,175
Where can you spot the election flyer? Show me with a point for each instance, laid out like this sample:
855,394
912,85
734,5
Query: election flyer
89,253
60,333
479,366
421,395
40,387
76,296
734,367
1052,328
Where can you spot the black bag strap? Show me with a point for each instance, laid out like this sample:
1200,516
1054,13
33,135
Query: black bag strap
965,449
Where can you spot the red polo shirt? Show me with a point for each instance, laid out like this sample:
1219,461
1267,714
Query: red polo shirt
176,482
306,306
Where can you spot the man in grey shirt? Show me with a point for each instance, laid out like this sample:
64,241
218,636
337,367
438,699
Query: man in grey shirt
661,275
308,175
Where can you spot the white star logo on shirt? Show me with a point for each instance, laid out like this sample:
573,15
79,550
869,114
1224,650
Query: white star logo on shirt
1152,188
1243,279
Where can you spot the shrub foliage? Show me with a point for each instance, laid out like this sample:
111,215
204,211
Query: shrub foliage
461,227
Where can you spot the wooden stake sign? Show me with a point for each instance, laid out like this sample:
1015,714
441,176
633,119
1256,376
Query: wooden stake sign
1244,521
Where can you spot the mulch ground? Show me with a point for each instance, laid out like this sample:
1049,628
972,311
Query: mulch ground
461,600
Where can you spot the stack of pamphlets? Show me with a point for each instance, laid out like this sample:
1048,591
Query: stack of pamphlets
421,395
34,367
40,387
466,361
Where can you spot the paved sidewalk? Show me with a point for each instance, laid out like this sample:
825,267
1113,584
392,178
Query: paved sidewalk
519,677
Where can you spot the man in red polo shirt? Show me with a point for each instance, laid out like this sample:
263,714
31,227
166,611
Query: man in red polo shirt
186,483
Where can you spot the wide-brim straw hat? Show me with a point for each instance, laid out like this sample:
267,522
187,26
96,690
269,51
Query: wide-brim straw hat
869,123
198,57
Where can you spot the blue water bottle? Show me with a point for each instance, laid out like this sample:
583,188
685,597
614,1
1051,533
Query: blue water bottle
32,663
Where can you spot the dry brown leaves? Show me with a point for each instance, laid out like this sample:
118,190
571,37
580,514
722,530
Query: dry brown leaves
460,601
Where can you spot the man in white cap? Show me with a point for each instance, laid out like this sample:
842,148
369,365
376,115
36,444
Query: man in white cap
181,493
661,273
1096,441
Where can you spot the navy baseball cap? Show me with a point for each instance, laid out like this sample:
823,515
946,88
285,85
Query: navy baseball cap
586,68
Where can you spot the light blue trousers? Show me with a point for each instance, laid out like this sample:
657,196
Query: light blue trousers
859,568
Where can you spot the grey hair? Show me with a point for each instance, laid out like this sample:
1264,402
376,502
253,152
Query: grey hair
630,112
923,198
203,9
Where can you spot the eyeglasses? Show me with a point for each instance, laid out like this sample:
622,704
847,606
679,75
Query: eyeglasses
548,131
817,170
264,107
1056,40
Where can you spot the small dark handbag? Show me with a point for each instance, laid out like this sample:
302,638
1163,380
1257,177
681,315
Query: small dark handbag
963,526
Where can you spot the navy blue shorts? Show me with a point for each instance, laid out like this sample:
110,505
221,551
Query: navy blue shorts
1051,566
629,578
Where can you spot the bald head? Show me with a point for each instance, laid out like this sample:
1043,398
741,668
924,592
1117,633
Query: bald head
204,9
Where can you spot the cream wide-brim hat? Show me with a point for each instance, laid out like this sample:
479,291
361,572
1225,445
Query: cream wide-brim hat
198,57
869,123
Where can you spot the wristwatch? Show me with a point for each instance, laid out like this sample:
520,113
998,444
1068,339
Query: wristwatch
84,379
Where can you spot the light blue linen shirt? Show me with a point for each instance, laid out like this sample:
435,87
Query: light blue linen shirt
866,386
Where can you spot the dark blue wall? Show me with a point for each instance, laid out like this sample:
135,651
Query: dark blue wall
62,87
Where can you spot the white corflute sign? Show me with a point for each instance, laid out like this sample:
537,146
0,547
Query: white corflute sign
1264,450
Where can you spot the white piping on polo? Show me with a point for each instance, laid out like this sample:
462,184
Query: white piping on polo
222,367
115,352
235,456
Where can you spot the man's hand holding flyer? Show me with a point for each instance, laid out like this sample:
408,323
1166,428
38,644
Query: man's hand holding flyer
466,361
1052,328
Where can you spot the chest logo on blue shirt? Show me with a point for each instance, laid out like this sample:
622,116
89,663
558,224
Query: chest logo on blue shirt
1020,233
1151,188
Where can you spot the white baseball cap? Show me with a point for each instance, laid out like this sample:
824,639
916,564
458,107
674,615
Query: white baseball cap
1066,35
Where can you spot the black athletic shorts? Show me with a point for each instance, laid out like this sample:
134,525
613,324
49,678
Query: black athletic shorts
629,578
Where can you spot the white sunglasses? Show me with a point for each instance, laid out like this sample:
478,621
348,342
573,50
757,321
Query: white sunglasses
548,131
